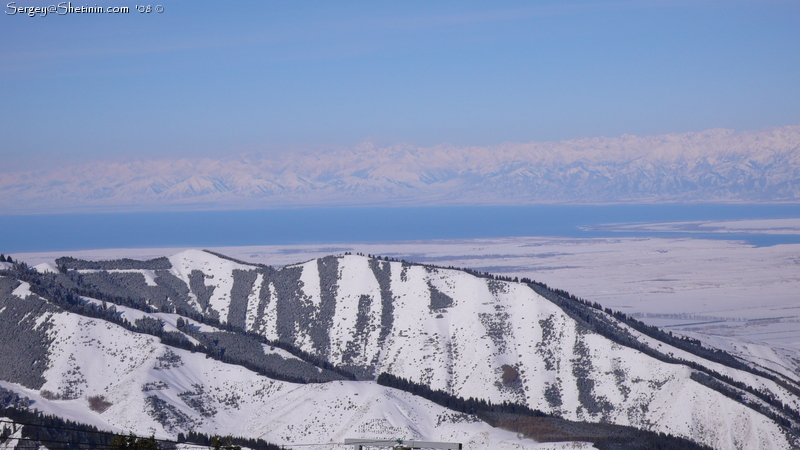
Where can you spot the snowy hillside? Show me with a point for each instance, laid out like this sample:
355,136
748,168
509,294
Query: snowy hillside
352,316
152,388
710,166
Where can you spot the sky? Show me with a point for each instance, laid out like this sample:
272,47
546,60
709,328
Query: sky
220,78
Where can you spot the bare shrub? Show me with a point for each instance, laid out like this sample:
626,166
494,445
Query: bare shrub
510,374
98,403
49,395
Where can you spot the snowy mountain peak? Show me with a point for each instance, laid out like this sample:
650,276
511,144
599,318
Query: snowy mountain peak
709,166
198,341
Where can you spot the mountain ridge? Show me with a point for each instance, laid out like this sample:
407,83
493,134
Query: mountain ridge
710,166
447,329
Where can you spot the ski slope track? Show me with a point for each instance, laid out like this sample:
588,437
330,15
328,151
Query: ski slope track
451,330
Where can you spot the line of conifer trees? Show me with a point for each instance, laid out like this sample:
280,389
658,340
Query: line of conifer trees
450,401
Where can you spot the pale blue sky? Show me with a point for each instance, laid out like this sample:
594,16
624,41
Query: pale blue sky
217,78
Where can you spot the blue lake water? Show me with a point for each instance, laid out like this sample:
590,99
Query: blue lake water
30,233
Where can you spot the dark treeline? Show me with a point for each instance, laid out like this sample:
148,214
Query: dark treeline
238,261
450,401
67,262
214,441
602,436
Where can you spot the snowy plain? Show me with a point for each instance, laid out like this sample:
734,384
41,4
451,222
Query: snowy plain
754,226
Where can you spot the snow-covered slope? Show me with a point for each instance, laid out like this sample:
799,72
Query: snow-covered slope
454,331
154,389
451,330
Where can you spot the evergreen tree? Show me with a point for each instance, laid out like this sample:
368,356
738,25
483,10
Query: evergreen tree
131,442
217,443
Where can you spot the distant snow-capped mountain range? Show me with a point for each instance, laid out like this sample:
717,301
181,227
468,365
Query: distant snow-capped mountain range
715,165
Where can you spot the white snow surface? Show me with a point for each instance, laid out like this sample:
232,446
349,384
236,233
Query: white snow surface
91,357
756,226
23,290
770,226
45,268
217,273
422,345
463,347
